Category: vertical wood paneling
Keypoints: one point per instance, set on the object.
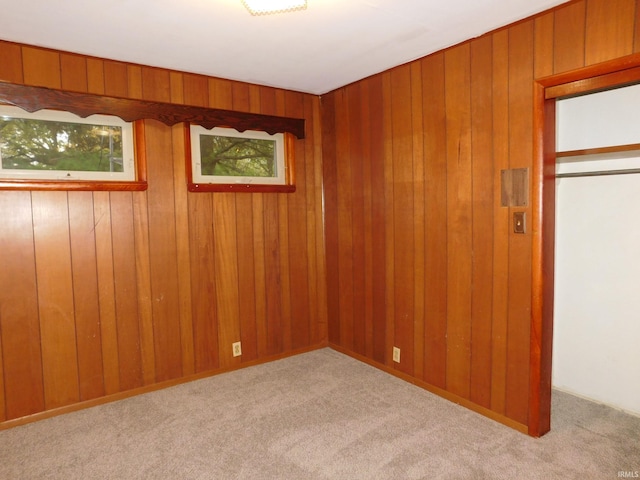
(355, 189)
(612, 39)
(202, 258)
(41, 67)
(272, 267)
(19, 323)
(520, 156)
(345, 223)
(285, 277)
(203, 282)
(225, 249)
(73, 70)
(11, 65)
(403, 228)
(226, 259)
(543, 46)
(283, 234)
(259, 305)
(321, 327)
(568, 40)
(143, 276)
(240, 97)
(125, 287)
(106, 291)
(482, 221)
(55, 298)
(245, 239)
(267, 252)
(364, 118)
(636, 35)
(500, 284)
(134, 81)
(315, 235)
(435, 350)
(182, 222)
(397, 172)
(104, 213)
(116, 81)
(51, 245)
(330, 177)
(418, 181)
(297, 248)
(260, 275)
(164, 275)
(246, 277)
(539, 419)
(85, 294)
(162, 229)
(470, 119)
(378, 205)
(459, 219)
(134, 288)
(95, 76)
(388, 230)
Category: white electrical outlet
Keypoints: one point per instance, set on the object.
(396, 354)
(237, 349)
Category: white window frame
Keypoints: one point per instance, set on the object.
(128, 174)
(198, 178)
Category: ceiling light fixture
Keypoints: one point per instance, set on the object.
(265, 7)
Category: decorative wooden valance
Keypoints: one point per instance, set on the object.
(33, 99)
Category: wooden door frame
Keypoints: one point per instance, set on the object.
(603, 76)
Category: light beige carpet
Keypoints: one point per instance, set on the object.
(320, 415)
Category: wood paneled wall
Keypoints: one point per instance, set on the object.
(107, 292)
(102, 293)
(420, 254)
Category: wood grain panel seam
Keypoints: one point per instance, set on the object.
(73, 298)
(419, 240)
(493, 219)
(445, 385)
(472, 223)
(508, 250)
(388, 193)
(238, 286)
(494, 335)
(585, 24)
(636, 29)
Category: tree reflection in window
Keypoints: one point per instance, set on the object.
(29, 144)
(237, 157)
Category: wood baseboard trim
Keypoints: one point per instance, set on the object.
(149, 388)
(436, 390)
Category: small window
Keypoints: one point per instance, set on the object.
(224, 159)
(61, 147)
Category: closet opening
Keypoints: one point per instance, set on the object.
(597, 261)
(547, 91)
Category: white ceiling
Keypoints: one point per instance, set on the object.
(330, 44)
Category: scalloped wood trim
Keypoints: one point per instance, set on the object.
(32, 99)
